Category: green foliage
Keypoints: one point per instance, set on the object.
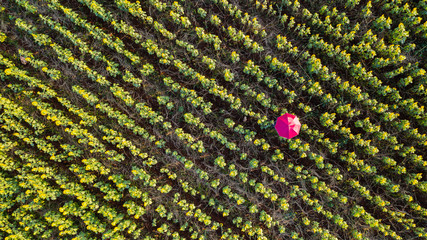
(121, 116)
(399, 34)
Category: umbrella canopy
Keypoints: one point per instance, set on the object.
(288, 125)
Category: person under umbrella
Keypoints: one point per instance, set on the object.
(288, 126)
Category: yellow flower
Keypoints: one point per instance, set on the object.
(44, 69)
(8, 71)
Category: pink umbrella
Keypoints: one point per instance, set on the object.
(288, 125)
